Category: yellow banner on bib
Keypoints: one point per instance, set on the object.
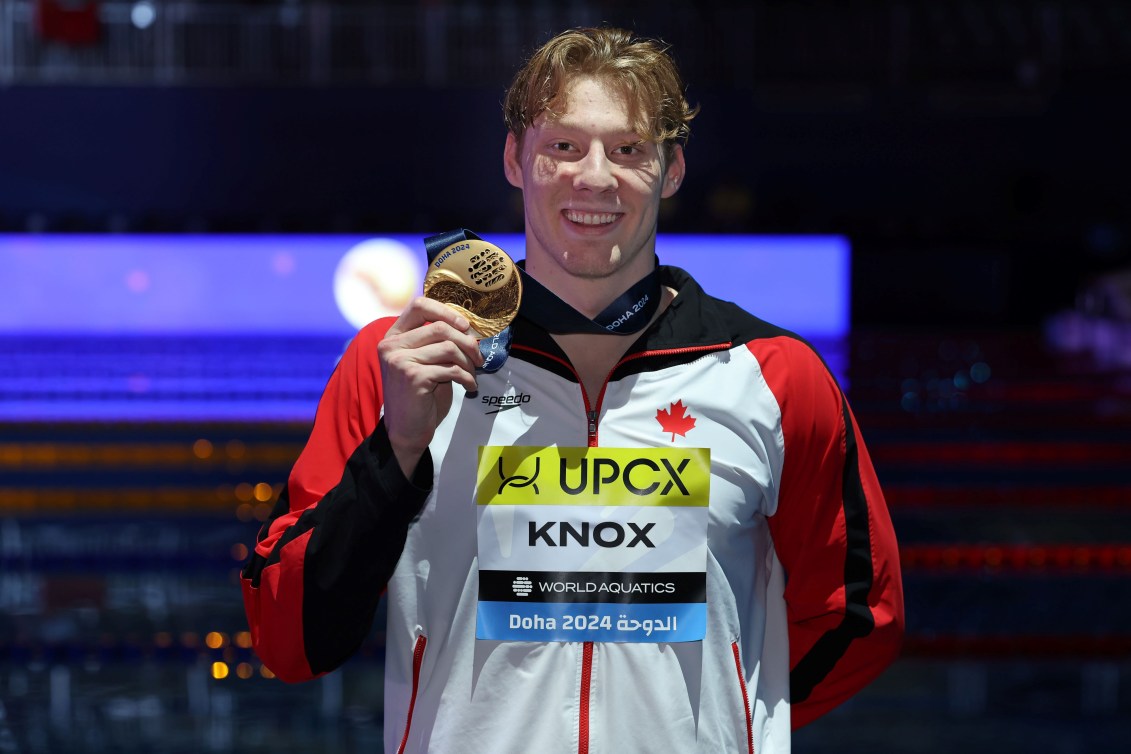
(518, 475)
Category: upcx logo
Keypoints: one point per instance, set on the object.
(593, 476)
(519, 480)
(640, 476)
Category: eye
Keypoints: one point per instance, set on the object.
(629, 150)
(561, 146)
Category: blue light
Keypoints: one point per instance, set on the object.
(285, 284)
(202, 327)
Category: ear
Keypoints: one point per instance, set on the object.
(512, 165)
(673, 175)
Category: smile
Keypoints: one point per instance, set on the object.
(590, 218)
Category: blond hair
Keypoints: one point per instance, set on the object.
(641, 68)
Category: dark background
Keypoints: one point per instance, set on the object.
(974, 153)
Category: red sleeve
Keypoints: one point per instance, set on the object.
(347, 412)
(323, 557)
(833, 535)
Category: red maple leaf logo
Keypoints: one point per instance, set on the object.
(677, 421)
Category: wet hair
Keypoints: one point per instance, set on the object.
(640, 68)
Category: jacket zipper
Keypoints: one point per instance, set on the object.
(583, 709)
(745, 697)
(591, 414)
(587, 647)
(417, 661)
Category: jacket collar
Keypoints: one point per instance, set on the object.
(686, 323)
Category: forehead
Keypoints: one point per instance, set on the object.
(590, 101)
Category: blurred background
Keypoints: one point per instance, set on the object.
(172, 174)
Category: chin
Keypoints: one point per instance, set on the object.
(588, 266)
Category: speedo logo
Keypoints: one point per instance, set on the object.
(504, 402)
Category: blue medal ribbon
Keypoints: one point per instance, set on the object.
(628, 314)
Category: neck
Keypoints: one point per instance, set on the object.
(588, 295)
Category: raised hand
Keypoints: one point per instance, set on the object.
(429, 347)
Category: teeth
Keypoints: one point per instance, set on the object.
(590, 218)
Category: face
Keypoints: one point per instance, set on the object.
(591, 190)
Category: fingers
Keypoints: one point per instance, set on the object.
(428, 365)
(425, 322)
(430, 344)
(428, 348)
(421, 310)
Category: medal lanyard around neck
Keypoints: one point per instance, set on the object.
(627, 315)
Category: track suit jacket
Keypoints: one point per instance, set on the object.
(803, 591)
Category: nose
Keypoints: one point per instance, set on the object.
(595, 172)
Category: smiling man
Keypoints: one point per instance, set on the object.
(654, 528)
(591, 189)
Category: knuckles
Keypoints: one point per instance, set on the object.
(440, 330)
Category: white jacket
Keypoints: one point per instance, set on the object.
(803, 591)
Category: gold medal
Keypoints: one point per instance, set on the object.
(479, 281)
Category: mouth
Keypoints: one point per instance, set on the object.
(590, 218)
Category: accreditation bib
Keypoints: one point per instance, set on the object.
(592, 544)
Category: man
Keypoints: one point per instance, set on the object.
(735, 576)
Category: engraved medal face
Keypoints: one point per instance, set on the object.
(479, 281)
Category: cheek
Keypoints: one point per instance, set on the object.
(651, 180)
(544, 170)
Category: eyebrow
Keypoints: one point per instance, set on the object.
(551, 127)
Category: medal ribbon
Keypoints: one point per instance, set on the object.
(496, 348)
(628, 314)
